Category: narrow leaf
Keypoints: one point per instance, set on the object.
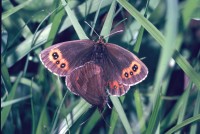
(6, 110)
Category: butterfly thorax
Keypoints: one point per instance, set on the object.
(98, 52)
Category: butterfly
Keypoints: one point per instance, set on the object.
(94, 70)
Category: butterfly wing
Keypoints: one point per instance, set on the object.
(63, 57)
(116, 88)
(126, 69)
(87, 81)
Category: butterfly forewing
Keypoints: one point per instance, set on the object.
(127, 69)
(130, 68)
(62, 58)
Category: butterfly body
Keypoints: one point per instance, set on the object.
(94, 69)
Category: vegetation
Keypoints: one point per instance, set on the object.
(164, 34)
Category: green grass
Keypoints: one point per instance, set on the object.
(35, 101)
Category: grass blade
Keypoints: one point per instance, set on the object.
(5, 75)
(14, 10)
(79, 30)
(73, 116)
(153, 118)
(114, 117)
(44, 120)
(108, 22)
(184, 106)
(194, 128)
(11, 102)
(6, 110)
(57, 114)
(59, 13)
(139, 110)
(184, 123)
(121, 114)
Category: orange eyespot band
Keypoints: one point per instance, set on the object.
(56, 57)
(132, 70)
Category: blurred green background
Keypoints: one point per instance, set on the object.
(165, 35)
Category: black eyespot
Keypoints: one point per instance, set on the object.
(131, 73)
(57, 62)
(55, 55)
(62, 65)
(134, 68)
(126, 74)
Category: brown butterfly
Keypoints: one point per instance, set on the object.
(94, 69)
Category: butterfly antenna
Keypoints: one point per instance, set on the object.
(92, 28)
(113, 33)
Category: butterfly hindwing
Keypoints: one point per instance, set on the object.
(117, 89)
(87, 81)
(62, 58)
